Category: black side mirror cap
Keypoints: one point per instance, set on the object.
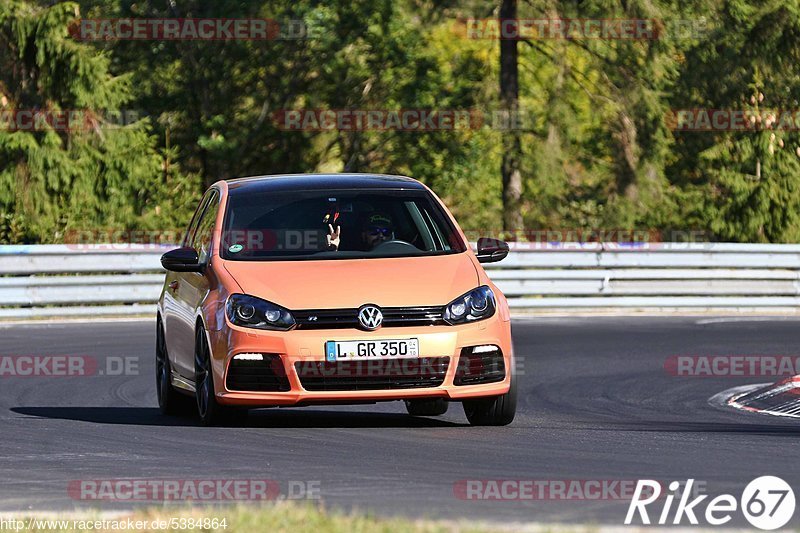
(181, 260)
(491, 250)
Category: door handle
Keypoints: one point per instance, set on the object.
(173, 285)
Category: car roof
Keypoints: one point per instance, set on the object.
(300, 182)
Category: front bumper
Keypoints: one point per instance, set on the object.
(308, 347)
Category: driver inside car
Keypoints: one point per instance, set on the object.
(376, 229)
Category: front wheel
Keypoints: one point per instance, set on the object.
(211, 413)
(493, 411)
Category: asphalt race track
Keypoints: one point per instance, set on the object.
(596, 403)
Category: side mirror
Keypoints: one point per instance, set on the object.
(491, 250)
(181, 260)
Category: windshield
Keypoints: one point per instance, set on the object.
(336, 225)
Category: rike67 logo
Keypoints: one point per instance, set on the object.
(767, 503)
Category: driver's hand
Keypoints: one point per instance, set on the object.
(333, 237)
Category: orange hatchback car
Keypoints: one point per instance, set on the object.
(323, 289)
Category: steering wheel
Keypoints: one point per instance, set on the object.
(395, 245)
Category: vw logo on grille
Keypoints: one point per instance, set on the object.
(370, 317)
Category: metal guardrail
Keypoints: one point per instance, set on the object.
(107, 280)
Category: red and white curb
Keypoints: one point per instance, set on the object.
(777, 399)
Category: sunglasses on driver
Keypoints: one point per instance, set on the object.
(376, 231)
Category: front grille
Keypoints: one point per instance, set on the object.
(376, 374)
(268, 375)
(476, 369)
(348, 318)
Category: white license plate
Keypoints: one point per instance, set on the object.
(378, 349)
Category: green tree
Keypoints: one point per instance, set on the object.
(756, 178)
(96, 173)
(742, 185)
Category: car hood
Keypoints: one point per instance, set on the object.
(351, 283)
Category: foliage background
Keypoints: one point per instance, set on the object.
(597, 151)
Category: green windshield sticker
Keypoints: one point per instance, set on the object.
(235, 248)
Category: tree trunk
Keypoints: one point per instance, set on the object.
(512, 145)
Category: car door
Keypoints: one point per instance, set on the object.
(196, 285)
(180, 295)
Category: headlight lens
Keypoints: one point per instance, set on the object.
(251, 312)
(475, 305)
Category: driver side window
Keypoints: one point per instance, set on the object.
(192, 229)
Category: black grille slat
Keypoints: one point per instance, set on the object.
(326, 318)
(348, 318)
(365, 375)
(412, 316)
(257, 376)
(477, 369)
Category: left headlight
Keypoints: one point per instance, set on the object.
(477, 304)
(251, 312)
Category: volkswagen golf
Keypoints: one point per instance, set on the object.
(300, 290)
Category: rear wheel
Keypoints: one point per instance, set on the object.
(493, 411)
(427, 407)
(170, 401)
(211, 413)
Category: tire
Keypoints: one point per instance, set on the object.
(211, 412)
(428, 407)
(493, 411)
(170, 401)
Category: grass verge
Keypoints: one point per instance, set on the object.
(280, 517)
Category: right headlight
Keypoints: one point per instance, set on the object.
(251, 312)
(477, 304)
